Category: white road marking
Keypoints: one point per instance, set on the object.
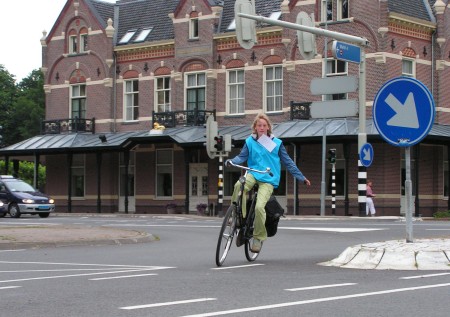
(93, 264)
(318, 300)
(343, 230)
(319, 287)
(71, 275)
(7, 287)
(189, 301)
(423, 276)
(236, 267)
(62, 270)
(12, 250)
(123, 276)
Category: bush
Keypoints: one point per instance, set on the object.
(442, 214)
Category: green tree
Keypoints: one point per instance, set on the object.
(26, 172)
(8, 95)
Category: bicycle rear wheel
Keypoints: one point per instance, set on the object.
(226, 236)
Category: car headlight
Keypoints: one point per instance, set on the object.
(28, 201)
(1, 203)
(51, 201)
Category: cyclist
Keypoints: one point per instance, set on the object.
(262, 150)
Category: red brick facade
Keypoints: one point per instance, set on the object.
(104, 68)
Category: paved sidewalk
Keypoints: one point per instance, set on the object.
(17, 237)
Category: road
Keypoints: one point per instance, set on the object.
(176, 276)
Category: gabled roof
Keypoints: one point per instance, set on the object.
(262, 7)
(101, 10)
(419, 9)
(140, 14)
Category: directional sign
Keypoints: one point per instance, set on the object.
(346, 52)
(403, 111)
(334, 109)
(333, 85)
(366, 155)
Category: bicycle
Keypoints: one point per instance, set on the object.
(235, 225)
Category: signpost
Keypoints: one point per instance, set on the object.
(403, 113)
(366, 155)
(346, 52)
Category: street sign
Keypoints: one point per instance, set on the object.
(346, 52)
(306, 41)
(333, 85)
(334, 109)
(366, 155)
(403, 111)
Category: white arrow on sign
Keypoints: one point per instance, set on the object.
(405, 114)
(367, 156)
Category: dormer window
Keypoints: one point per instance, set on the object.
(275, 15)
(127, 37)
(143, 35)
(193, 28)
(232, 25)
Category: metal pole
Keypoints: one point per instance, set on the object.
(220, 187)
(362, 136)
(408, 192)
(333, 189)
(324, 136)
(336, 35)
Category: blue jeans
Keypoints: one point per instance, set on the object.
(264, 192)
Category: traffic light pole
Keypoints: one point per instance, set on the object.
(220, 188)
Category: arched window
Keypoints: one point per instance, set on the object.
(83, 40)
(73, 42)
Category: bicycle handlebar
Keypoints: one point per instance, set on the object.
(249, 168)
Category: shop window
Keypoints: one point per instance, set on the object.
(78, 176)
(164, 173)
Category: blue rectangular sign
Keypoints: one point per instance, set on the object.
(346, 52)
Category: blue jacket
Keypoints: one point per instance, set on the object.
(259, 158)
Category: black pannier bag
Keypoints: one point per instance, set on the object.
(273, 213)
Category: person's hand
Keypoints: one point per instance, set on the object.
(227, 162)
(307, 182)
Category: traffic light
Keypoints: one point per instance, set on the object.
(219, 143)
(245, 28)
(332, 156)
(211, 132)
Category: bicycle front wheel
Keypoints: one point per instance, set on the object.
(226, 236)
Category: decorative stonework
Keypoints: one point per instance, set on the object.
(380, 58)
(440, 64)
(133, 55)
(410, 30)
(263, 39)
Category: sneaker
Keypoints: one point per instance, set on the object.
(256, 246)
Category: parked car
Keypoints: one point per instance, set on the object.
(3, 210)
(20, 197)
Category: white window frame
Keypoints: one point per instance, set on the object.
(340, 10)
(130, 108)
(83, 42)
(193, 28)
(197, 86)
(166, 166)
(73, 41)
(165, 91)
(412, 62)
(233, 88)
(324, 10)
(127, 37)
(268, 94)
(76, 94)
(333, 74)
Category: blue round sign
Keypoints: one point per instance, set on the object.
(403, 111)
(366, 154)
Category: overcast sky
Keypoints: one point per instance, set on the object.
(21, 25)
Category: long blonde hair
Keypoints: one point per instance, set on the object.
(262, 116)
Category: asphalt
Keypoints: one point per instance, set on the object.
(422, 254)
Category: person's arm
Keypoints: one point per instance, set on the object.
(241, 157)
(291, 167)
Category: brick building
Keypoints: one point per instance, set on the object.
(114, 70)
